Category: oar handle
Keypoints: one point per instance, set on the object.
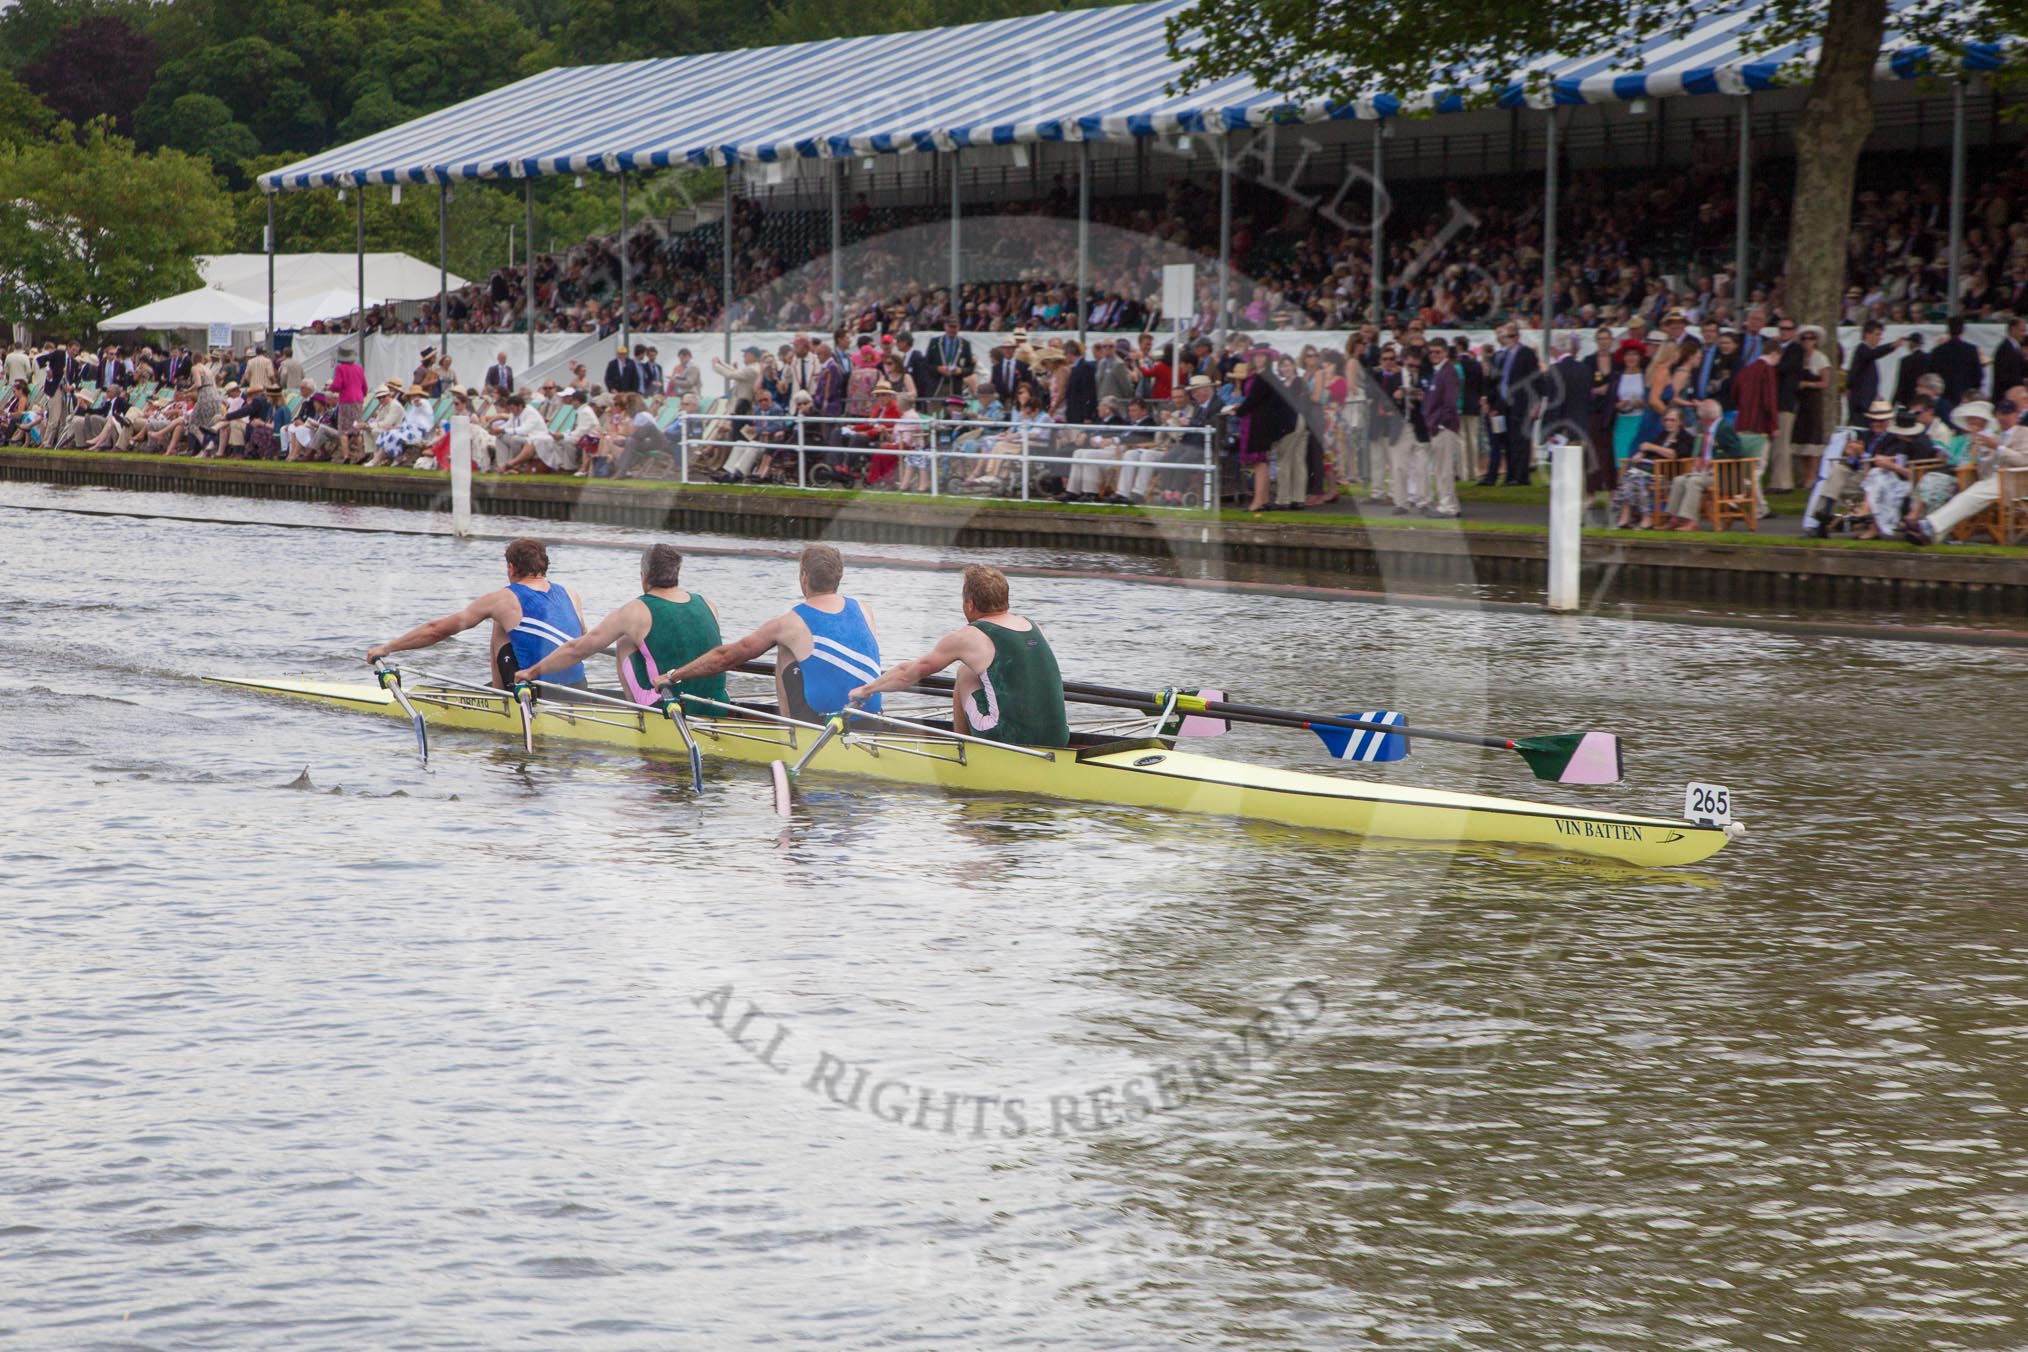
(1256, 713)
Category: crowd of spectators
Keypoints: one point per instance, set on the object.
(1464, 255)
(1660, 410)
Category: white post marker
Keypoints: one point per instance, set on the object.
(1566, 524)
(1179, 291)
(461, 476)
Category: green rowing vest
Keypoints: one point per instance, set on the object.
(679, 634)
(1020, 696)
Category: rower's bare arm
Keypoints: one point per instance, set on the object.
(726, 656)
(432, 632)
(960, 645)
(614, 627)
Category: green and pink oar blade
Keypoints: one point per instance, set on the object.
(1573, 757)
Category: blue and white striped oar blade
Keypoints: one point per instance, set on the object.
(1361, 744)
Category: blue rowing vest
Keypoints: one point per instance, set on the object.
(843, 654)
(548, 621)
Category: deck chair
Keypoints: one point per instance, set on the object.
(1732, 497)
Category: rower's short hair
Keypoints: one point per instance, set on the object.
(823, 565)
(986, 588)
(528, 558)
(661, 566)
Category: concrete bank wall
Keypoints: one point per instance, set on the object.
(1698, 569)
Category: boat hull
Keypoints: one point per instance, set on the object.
(1142, 774)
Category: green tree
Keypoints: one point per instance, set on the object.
(89, 227)
(23, 117)
(1351, 48)
(203, 126)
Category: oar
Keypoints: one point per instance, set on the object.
(672, 706)
(390, 681)
(785, 775)
(667, 705)
(1563, 758)
(524, 699)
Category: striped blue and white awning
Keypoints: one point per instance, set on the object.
(1089, 74)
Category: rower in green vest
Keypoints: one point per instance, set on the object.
(663, 628)
(1008, 687)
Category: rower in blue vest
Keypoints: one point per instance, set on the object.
(532, 617)
(824, 647)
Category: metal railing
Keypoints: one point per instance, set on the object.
(1086, 453)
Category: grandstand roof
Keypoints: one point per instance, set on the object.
(1087, 74)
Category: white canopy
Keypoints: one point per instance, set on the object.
(308, 287)
(193, 310)
(389, 276)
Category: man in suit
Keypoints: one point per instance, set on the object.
(1780, 461)
(834, 373)
(952, 357)
(920, 368)
(500, 376)
(1957, 361)
(1472, 395)
(801, 368)
(685, 377)
(1914, 366)
(1080, 386)
(651, 373)
(1509, 407)
(1713, 439)
(1009, 373)
(2010, 358)
(1119, 375)
(1862, 377)
(1442, 409)
(623, 373)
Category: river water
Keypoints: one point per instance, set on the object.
(303, 1045)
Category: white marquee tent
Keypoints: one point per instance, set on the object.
(308, 287)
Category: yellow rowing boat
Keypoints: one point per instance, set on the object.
(1143, 773)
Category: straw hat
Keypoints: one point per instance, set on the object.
(1809, 330)
(414, 390)
(883, 388)
(1879, 409)
(1201, 383)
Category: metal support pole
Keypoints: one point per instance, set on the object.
(725, 281)
(359, 255)
(837, 244)
(528, 278)
(626, 271)
(1083, 239)
(1224, 232)
(1566, 469)
(271, 274)
(956, 306)
(1549, 240)
(443, 264)
(1742, 256)
(1379, 306)
(1957, 304)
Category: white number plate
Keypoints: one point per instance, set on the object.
(1708, 803)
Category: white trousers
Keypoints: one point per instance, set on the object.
(1138, 469)
(1090, 470)
(1965, 506)
(1408, 465)
(1446, 455)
